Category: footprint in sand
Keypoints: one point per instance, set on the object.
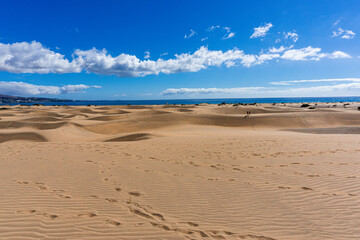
(118, 189)
(113, 222)
(58, 191)
(111, 200)
(90, 214)
(135, 194)
(41, 187)
(141, 214)
(191, 224)
(26, 211)
(159, 216)
(64, 196)
(160, 225)
(51, 216)
(20, 182)
(307, 188)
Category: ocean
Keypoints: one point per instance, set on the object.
(198, 101)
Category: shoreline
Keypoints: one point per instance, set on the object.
(196, 101)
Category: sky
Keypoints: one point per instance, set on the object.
(128, 50)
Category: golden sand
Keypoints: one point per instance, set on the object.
(180, 172)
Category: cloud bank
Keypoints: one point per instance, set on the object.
(21, 89)
(317, 80)
(192, 91)
(35, 58)
(326, 90)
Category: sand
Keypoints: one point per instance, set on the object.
(180, 172)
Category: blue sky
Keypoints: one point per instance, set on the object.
(179, 49)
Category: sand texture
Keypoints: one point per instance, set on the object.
(180, 172)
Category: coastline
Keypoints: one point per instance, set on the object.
(195, 101)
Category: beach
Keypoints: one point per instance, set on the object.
(199, 171)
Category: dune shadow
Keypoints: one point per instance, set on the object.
(130, 137)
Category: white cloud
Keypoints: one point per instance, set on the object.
(292, 35)
(327, 88)
(310, 53)
(194, 91)
(125, 65)
(230, 35)
(317, 80)
(338, 54)
(278, 50)
(212, 28)
(345, 34)
(147, 54)
(336, 22)
(191, 34)
(261, 31)
(347, 89)
(21, 88)
(164, 54)
(34, 58)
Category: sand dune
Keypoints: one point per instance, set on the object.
(180, 172)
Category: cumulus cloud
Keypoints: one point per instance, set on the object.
(345, 34)
(125, 65)
(317, 80)
(292, 35)
(205, 38)
(147, 54)
(21, 88)
(191, 34)
(34, 58)
(310, 53)
(261, 31)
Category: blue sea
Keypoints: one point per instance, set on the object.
(198, 101)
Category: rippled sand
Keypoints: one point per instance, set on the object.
(180, 172)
